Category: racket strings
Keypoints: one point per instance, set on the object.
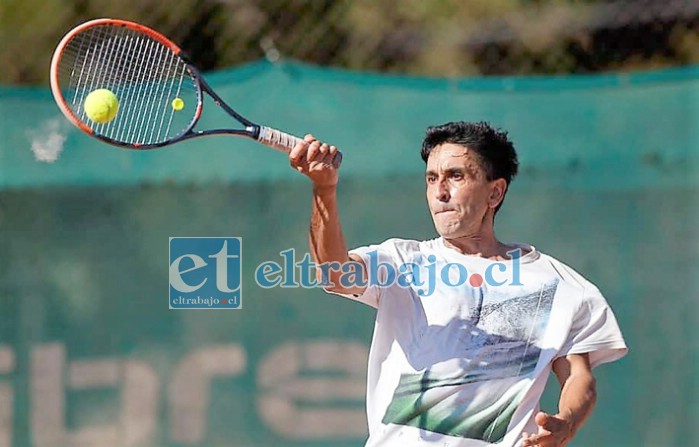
(144, 74)
(137, 81)
(102, 57)
(145, 104)
(126, 46)
(162, 94)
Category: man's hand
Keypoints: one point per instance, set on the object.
(318, 161)
(554, 431)
(577, 399)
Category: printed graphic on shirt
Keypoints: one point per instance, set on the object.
(474, 393)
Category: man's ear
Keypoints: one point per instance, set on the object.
(497, 192)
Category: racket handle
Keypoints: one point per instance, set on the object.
(277, 139)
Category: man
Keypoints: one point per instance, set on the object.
(468, 328)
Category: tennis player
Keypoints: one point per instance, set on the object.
(468, 328)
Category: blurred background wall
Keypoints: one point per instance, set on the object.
(600, 98)
(443, 38)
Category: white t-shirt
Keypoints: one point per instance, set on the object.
(465, 365)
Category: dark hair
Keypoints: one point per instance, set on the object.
(495, 151)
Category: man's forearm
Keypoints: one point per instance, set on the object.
(326, 239)
(575, 404)
(578, 398)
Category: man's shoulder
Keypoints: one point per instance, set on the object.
(564, 271)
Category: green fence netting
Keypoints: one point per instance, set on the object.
(90, 354)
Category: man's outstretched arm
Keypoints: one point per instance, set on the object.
(578, 397)
(321, 163)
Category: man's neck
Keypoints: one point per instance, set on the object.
(486, 246)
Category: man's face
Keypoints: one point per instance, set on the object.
(458, 193)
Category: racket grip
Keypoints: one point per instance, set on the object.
(277, 139)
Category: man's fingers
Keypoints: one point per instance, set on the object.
(298, 153)
(544, 439)
(525, 441)
(546, 421)
(327, 157)
(335, 157)
(298, 156)
(314, 151)
(549, 422)
(550, 432)
(317, 160)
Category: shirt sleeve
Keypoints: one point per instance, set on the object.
(376, 259)
(595, 331)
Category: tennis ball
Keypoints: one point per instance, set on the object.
(101, 105)
(177, 104)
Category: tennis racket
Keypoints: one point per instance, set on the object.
(160, 95)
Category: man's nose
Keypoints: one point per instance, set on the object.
(442, 191)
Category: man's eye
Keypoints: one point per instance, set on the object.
(431, 179)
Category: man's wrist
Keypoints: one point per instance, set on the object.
(320, 190)
(570, 421)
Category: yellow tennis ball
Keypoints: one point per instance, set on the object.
(177, 104)
(101, 105)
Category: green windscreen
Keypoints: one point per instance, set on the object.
(90, 354)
